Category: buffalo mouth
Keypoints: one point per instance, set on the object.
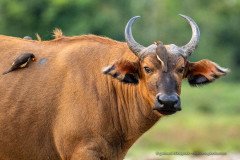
(166, 112)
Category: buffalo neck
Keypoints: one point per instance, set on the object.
(134, 110)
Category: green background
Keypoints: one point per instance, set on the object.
(210, 117)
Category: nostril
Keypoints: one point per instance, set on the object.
(177, 106)
(159, 100)
(169, 101)
(159, 104)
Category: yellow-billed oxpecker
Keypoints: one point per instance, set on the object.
(21, 61)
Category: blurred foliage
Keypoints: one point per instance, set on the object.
(218, 20)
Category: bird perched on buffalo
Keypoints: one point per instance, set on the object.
(21, 62)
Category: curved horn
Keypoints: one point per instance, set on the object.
(193, 43)
(132, 44)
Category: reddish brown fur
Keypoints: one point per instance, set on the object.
(66, 108)
(206, 68)
(124, 66)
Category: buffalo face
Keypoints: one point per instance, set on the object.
(160, 69)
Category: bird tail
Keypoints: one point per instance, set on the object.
(7, 71)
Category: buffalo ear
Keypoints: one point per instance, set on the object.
(124, 71)
(203, 72)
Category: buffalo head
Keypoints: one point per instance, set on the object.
(161, 68)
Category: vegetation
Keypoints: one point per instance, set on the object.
(209, 120)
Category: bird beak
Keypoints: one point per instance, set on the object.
(34, 59)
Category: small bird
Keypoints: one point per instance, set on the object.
(21, 62)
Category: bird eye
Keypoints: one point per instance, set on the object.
(181, 70)
(147, 70)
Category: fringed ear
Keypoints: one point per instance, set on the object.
(203, 72)
(124, 71)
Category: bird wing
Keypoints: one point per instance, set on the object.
(23, 65)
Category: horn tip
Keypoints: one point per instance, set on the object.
(187, 18)
(184, 16)
(135, 17)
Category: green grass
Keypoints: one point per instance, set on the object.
(220, 98)
(209, 121)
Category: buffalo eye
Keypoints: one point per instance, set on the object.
(147, 70)
(181, 70)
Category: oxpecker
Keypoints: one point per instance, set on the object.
(21, 62)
